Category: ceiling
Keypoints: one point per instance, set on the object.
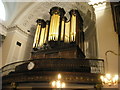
(24, 15)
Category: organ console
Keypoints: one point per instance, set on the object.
(60, 29)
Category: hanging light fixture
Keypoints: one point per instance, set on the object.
(58, 82)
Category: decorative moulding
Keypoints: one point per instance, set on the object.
(41, 10)
(3, 29)
(16, 27)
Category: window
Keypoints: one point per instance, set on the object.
(18, 43)
(2, 10)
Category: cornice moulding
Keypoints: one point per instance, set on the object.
(16, 27)
(3, 26)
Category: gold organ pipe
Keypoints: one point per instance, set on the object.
(46, 33)
(73, 28)
(67, 32)
(62, 30)
(54, 27)
(51, 29)
(41, 42)
(36, 38)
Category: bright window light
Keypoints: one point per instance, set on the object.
(2, 10)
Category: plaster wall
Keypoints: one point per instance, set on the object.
(3, 31)
(107, 39)
(13, 52)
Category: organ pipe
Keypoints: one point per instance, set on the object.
(63, 28)
(46, 31)
(59, 29)
(67, 32)
(54, 27)
(37, 33)
(37, 39)
(56, 14)
(73, 28)
(42, 36)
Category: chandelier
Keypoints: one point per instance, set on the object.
(109, 80)
(58, 82)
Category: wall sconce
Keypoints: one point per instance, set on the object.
(109, 79)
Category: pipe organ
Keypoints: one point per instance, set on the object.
(58, 48)
(38, 33)
(59, 29)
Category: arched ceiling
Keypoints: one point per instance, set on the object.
(24, 15)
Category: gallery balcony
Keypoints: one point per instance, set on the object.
(40, 72)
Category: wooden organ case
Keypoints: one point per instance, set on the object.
(58, 47)
(59, 37)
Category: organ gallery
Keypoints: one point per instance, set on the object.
(58, 35)
(58, 48)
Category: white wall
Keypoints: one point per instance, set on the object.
(13, 52)
(3, 31)
(107, 38)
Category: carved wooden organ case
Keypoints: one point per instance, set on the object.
(59, 37)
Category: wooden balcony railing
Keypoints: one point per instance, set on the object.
(86, 71)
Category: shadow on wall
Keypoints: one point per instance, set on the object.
(29, 43)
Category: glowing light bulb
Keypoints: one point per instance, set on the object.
(53, 84)
(105, 80)
(59, 76)
(109, 79)
(102, 78)
(58, 84)
(116, 77)
(63, 85)
(108, 76)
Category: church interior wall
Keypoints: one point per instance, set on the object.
(107, 39)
